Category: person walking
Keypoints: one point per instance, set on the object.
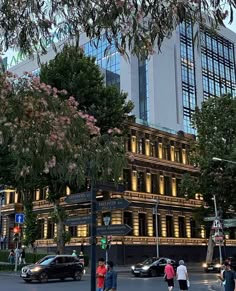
(74, 253)
(182, 276)
(229, 277)
(110, 283)
(100, 274)
(22, 257)
(81, 258)
(11, 257)
(169, 275)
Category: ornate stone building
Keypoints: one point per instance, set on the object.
(157, 161)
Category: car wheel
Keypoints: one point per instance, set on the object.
(77, 276)
(43, 277)
(153, 273)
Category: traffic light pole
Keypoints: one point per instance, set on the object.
(16, 254)
(93, 239)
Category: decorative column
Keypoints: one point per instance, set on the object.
(172, 153)
(133, 143)
(150, 222)
(184, 156)
(163, 225)
(176, 225)
(173, 187)
(203, 232)
(37, 194)
(188, 226)
(55, 229)
(162, 185)
(148, 182)
(45, 230)
(135, 223)
(147, 147)
(7, 194)
(16, 194)
(134, 180)
(117, 217)
(160, 151)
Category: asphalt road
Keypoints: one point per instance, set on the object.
(199, 282)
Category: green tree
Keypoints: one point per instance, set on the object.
(82, 78)
(215, 123)
(135, 25)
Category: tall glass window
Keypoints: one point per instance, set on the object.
(187, 74)
(109, 61)
(143, 90)
(218, 65)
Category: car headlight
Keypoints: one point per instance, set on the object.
(145, 268)
(217, 265)
(36, 269)
(133, 267)
(204, 265)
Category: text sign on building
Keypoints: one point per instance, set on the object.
(115, 229)
(112, 204)
(79, 197)
(19, 218)
(78, 220)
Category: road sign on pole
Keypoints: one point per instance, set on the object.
(229, 222)
(19, 218)
(115, 229)
(79, 197)
(78, 220)
(210, 218)
(112, 204)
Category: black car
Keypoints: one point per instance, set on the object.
(213, 266)
(151, 267)
(53, 267)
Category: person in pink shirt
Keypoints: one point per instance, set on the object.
(169, 275)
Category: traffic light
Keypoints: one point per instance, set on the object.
(16, 234)
(109, 240)
(103, 243)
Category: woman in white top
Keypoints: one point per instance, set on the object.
(182, 276)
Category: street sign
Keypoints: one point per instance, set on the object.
(230, 220)
(79, 197)
(19, 218)
(78, 220)
(112, 204)
(110, 186)
(210, 218)
(115, 229)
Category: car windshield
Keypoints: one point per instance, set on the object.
(149, 261)
(45, 261)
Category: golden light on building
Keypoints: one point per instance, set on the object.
(45, 229)
(116, 217)
(172, 153)
(163, 226)
(148, 182)
(133, 144)
(203, 232)
(147, 147)
(176, 226)
(188, 227)
(174, 192)
(134, 180)
(68, 190)
(184, 156)
(160, 150)
(135, 223)
(37, 194)
(161, 184)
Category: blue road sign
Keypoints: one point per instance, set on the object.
(19, 218)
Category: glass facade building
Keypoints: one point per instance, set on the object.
(218, 65)
(187, 74)
(107, 59)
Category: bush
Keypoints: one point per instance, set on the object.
(29, 257)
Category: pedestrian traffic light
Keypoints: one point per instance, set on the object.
(103, 243)
(109, 240)
(16, 231)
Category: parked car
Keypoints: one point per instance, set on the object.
(53, 267)
(213, 266)
(151, 267)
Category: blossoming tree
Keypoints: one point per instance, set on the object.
(138, 25)
(52, 141)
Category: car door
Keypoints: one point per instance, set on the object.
(59, 268)
(161, 264)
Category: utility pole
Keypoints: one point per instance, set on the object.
(106, 221)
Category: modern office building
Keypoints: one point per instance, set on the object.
(165, 90)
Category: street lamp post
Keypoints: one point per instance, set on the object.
(216, 216)
(223, 160)
(155, 209)
(106, 221)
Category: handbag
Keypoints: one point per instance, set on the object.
(188, 283)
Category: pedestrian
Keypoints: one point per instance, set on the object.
(74, 253)
(100, 274)
(169, 275)
(11, 257)
(182, 276)
(229, 277)
(22, 256)
(81, 257)
(17, 254)
(110, 283)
